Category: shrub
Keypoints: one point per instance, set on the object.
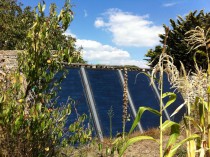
(32, 123)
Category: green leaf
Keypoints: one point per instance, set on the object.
(175, 132)
(193, 122)
(200, 100)
(139, 114)
(201, 114)
(39, 107)
(172, 98)
(2, 98)
(197, 100)
(39, 7)
(60, 134)
(116, 141)
(44, 6)
(43, 125)
(133, 140)
(18, 122)
(99, 146)
(175, 147)
(208, 90)
(168, 124)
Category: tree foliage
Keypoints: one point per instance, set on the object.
(177, 46)
(32, 123)
(15, 23)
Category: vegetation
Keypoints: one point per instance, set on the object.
(16, 22)
(122, 143)
(32, 123)
(177, 46)
(195, 88)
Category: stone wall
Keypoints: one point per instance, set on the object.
(8, 59)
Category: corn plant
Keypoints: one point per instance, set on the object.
(196, 92)
(165, 64)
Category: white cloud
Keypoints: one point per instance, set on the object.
(69, 33)
(96, 53)
(99, 23)
(130, 30)
(141, 64)
(169, 4)
(94, 50)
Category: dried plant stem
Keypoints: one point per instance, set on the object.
(161, 113)
(208, 93)
(161, 92)
(190, 144)
(125, 101)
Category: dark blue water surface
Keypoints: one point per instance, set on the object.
(107, 91)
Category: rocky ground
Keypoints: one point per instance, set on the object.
(145, 148)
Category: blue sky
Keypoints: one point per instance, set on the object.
(120, 32)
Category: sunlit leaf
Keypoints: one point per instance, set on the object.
(175, 147)
(178, 109)
(168, 124)
(134, 140)
(39, 107)
(43, 6)
(172, 98)
(201, 114)
(175, 132)
(139, 114)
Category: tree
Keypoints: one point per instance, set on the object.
(31, 121)
(177, 46)
(15, 23)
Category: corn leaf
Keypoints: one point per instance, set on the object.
(175, 132)
(175, 147)
(168, 124)
(178, 109)
(133, 140)
(201, 114)
(44, 6)
(193, 122)
(139, 114)
(172, 98)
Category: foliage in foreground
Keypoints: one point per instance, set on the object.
(31, 121)
(196, 94)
